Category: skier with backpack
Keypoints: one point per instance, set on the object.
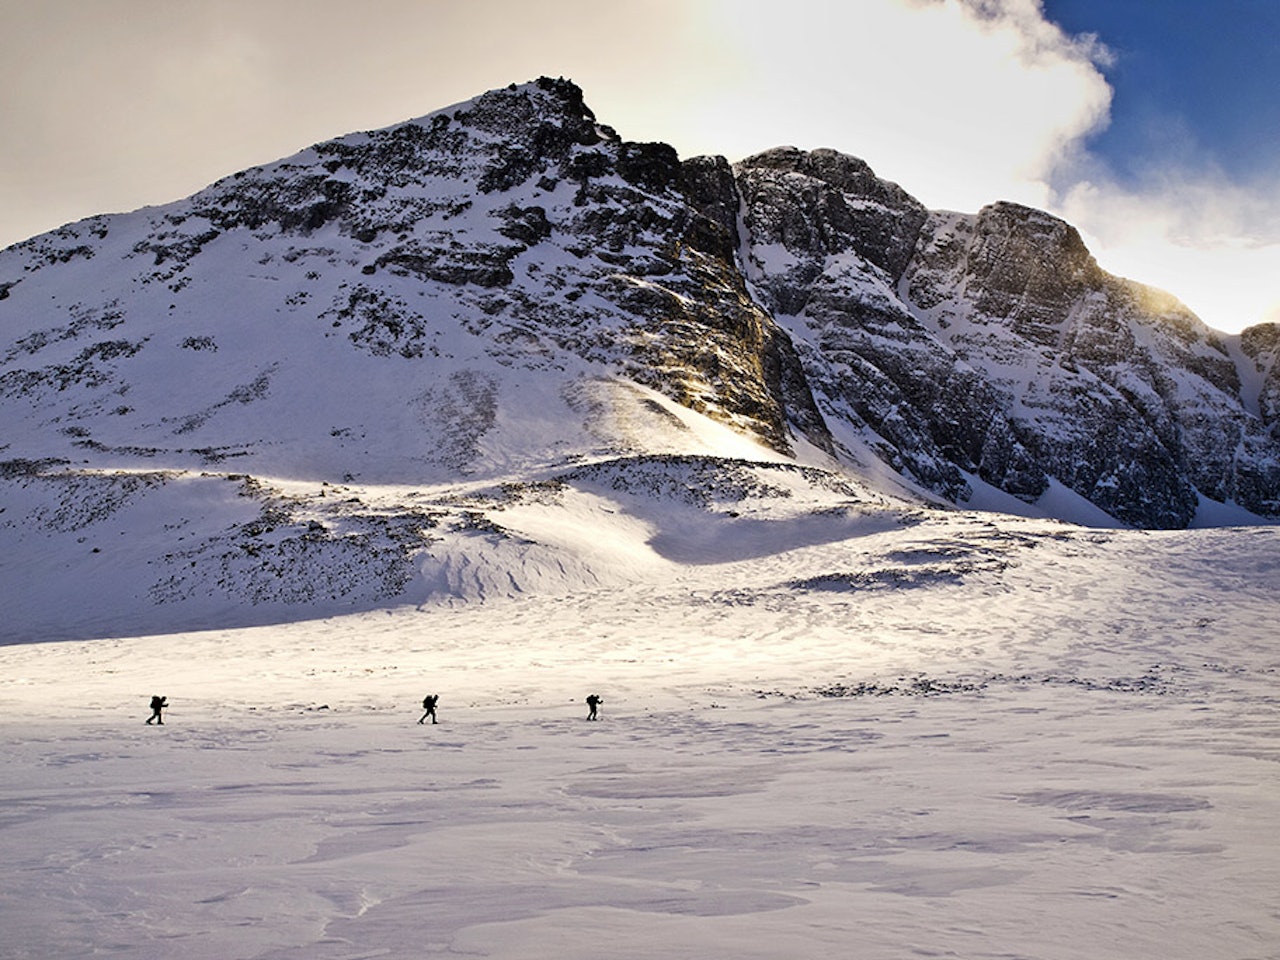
(157, 704)
(429, 705)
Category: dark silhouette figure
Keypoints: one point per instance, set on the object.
(429, 705)
(592, 703)
(157, 704)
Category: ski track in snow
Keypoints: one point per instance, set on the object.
(1072, 753)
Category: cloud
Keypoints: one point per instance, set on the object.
(1212, 242)
(1182, 224)
(109, 106)
(962, 102)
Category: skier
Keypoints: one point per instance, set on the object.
(157, 704)
(592, 703)
(429, 705)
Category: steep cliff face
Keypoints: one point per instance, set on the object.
(1261, 345)
(475, 276)
(1128, 399)
(827, 245)
(993, 347)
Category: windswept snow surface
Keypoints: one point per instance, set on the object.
(935, 734)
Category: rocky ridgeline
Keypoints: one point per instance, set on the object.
(994, 346)
(794, 296)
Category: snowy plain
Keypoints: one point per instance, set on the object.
(1014, 738)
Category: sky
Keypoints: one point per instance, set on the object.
(1152, 127)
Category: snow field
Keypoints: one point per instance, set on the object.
(1069, 755)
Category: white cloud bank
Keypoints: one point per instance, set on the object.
(1214, 243)
(959, 108)
(113, 105)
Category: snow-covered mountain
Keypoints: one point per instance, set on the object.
(334, 380)
(724, 446)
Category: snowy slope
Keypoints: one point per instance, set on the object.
(890, 735)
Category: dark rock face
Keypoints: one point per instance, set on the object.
(794, 296)
(1261, 344)
(1025, 266)
(824, 202)
(1129, 400)
(828, 245)
(993, 346)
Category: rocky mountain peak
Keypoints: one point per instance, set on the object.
(822, 203)
(460, 258)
